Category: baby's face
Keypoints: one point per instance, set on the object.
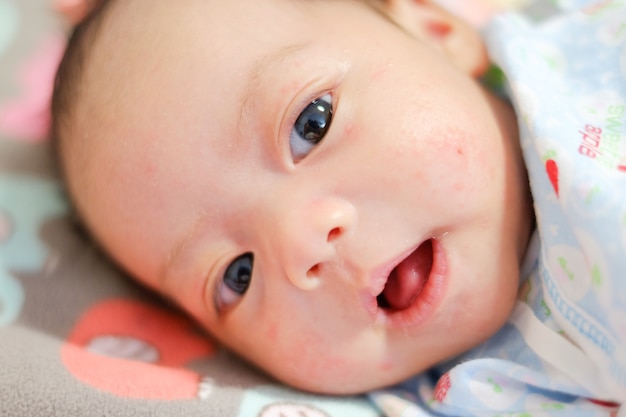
(329, 196)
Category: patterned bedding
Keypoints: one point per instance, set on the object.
(77, 337)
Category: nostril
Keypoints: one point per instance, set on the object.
(313, 272)
(334, 234)
(312, 278)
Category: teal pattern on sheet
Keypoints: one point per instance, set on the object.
(25, 205)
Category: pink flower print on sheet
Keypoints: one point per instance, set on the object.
(136, 350)
(27, 116)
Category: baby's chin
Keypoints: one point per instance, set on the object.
(349, 382)
(330, 386)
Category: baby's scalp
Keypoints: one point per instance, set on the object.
(69, 78)
(175, 178)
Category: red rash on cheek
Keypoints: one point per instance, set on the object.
(272, 332)
(149, 169)
(379, 72)
(350, 132)
(386, 366)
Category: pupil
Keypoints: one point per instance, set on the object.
(238, 274)
(314, 121)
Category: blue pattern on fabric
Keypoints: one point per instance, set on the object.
(565, 342)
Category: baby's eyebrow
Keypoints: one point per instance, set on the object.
(259, 70)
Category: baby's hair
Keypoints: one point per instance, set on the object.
(68, 83)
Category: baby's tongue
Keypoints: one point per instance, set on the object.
(408, 278)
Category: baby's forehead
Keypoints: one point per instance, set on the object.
(140, 40)
(152, 51)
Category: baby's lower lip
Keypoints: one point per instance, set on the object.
(424, 303)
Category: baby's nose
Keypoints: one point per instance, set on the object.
(309, 235)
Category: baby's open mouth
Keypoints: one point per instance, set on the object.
(407, 280)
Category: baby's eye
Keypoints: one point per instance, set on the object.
(310, 127)
(235, 281)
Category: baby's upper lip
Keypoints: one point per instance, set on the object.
(379, 276)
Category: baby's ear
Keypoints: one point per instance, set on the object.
(436, 26)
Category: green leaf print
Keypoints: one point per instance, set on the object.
(563, 263)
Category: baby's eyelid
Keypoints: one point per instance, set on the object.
(214, 282)
(217, 307)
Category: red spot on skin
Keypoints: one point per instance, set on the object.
(438, 30)
(442, 387)
(272, 332)
(150, 168)
(553, 173)
(386, 366)
(380, 72)
(351, 133)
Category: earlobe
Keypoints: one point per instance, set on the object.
(434, 25)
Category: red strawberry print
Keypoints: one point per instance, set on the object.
(442, 387)
(553, 173)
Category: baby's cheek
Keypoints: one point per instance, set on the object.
(271, 333)
(466, 162)
(379, 72)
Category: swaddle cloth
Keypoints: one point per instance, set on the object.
(563, 350)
